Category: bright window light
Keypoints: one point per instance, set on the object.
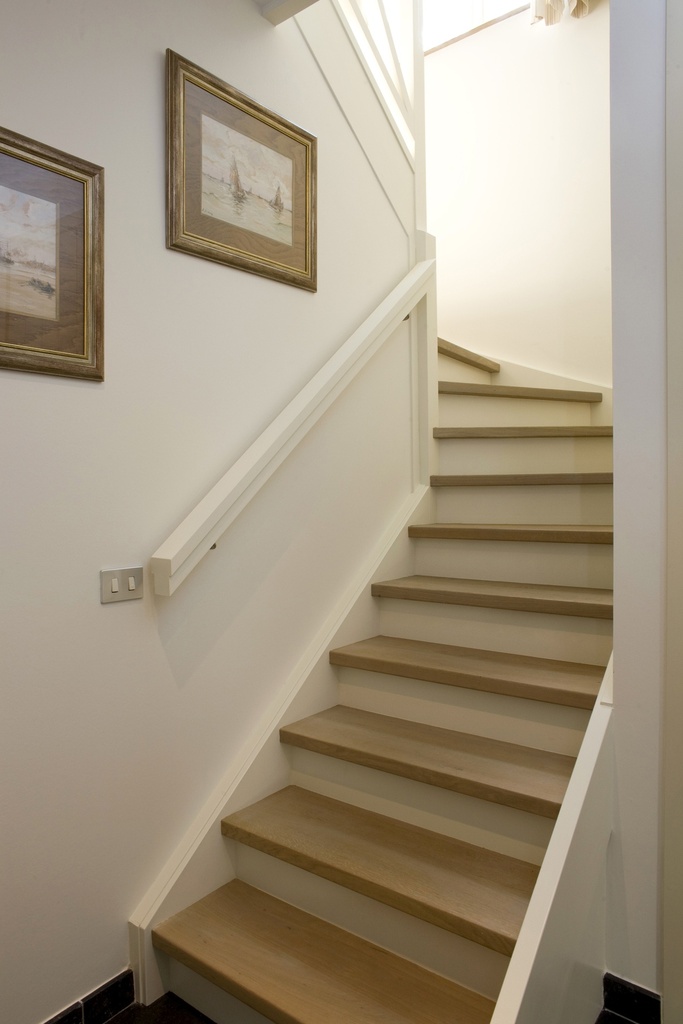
(444, 20)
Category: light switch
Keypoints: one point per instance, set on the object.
(121, 584)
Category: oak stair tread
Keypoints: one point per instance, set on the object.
(514, 675)
(297, 969)
(586, 602)
(464, 355)
(451, 387)
(477, 893)
(522, 777)
(544, 533)
(541, 431)
(518, 479)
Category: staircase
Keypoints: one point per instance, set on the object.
(388, 882)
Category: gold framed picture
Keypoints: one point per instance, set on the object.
(241, 180)
(51, 260)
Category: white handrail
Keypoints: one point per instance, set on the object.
(172, 562)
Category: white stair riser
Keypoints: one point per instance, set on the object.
(564, 637)
(478, 411)
(525, 455)
(543, 503)
(481, 822)
(210, 1000)
(453, 369)
(466, 962)
(532, 723)
(571, 565)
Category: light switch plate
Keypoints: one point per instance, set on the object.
(120, 584)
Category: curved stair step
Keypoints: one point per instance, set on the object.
(544, 534)
(464, 355)
(503, 773)
(519, 479)
(586, 602)
(512, 675)
(285, 964)
(476, 893)
(541, 431)
(449, 387)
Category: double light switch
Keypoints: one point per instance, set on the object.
(120, 584)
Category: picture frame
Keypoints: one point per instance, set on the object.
(241, 180)
(51, 260)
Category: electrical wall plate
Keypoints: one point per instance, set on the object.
(121, 584)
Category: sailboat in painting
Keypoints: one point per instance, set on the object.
(5, 253)
(238, 191)
(245, 183)
(276, 202)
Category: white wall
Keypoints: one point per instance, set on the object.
(118, 720)
(638, 216)
(518, 192)
(672, 761)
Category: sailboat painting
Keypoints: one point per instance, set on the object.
(245, 183)
(28, 254)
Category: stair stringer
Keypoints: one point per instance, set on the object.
(202, 861)
(556, 970)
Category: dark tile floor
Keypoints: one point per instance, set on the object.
(172, 1010)
(167, 1010)
(607, 1017)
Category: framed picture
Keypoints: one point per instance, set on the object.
(241, 179)
(51, 264)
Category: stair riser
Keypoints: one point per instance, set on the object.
(575, 503)
(457, 958)
(210, 1000)
(453, 369)
(573, 565)
(475, 411)
(566, 638)
(497, 716)
(494, 826)
(525, 455)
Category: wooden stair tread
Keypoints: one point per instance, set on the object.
(449, 387)
(587, 602)
(545, 533)
(519, 479)
(484, 432)
(293, 967)
(464, 355)
(476, 893)
(514, 675)
(504, 773)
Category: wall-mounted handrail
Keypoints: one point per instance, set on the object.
(172, 562)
